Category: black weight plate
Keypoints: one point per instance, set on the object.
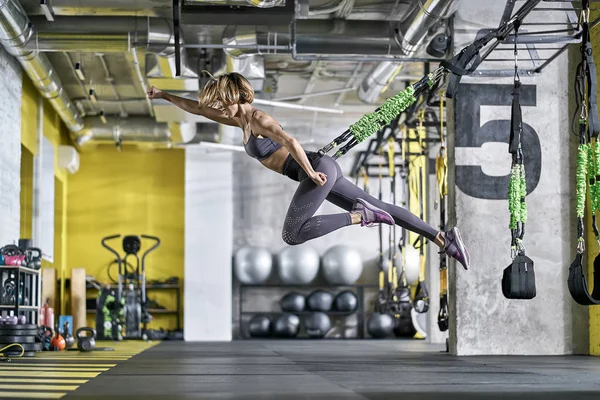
(16, 339)
(17, 353)
(7, 327)
(23, 332)
(26, 346)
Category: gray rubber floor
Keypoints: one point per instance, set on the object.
(339, 370)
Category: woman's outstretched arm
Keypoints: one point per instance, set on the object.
(191, 106)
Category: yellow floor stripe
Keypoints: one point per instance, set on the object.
(28, 368)
(35, 380)
(43, 364)
(38, 387)
(17, 395)
(84, 358)
(50, 374)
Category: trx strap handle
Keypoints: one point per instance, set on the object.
(518, 279)
(577, 282)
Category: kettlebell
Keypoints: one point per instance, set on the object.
(58, 342)
(34, 258)
(86, 343)
(46, 337)
(69, 339)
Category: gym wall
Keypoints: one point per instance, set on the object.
(485, 322)
(594, 312)
(10, 151)
(128, 192)
(35, 110)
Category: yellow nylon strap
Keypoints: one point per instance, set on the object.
(422, 265)
(391, 153)
(404, 137)
(444, 281)
(441, 161)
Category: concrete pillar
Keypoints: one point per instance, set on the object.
(208, 246)
(483, 320)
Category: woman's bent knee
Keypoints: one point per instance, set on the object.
(291, 238)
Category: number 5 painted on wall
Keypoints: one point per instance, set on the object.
(470, 134)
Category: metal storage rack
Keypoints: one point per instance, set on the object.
(20, 292)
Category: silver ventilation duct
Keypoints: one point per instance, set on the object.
(377, 80)
(99, 8)
(318, 36)
(426, 13)
(412, 32)
(132, 130)
(251, 3)
(15, 32)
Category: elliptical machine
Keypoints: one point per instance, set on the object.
(125, 307)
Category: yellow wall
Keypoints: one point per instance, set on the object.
(29, 115)
(129, 192)
(593, 310)
(26, 192)
(55, 131)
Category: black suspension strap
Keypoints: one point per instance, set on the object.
(518, 279)
(421, 302)
(441, 169)
(588, 158)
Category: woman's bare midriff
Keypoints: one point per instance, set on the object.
(276, 160)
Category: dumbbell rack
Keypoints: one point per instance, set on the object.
(30, 297)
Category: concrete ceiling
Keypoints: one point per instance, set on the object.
(119, 91)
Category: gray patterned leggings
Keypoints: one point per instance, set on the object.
(300, 223)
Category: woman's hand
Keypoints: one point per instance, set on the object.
(154, 93)
(319, 178)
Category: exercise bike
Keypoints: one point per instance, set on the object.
(126, 306)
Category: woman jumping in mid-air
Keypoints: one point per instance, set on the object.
(228, 100)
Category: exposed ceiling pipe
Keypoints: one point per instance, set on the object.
(426, 13)
(252, 3)
(99, 8)
(132, 130)
(15, 32)
(377, 80)
(372, 38)
(411, 35)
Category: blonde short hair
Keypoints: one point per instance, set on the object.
(226, 90)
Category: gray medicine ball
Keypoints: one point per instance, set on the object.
(252, 265)
(298, 265)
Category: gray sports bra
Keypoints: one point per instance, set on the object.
(260, 148)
